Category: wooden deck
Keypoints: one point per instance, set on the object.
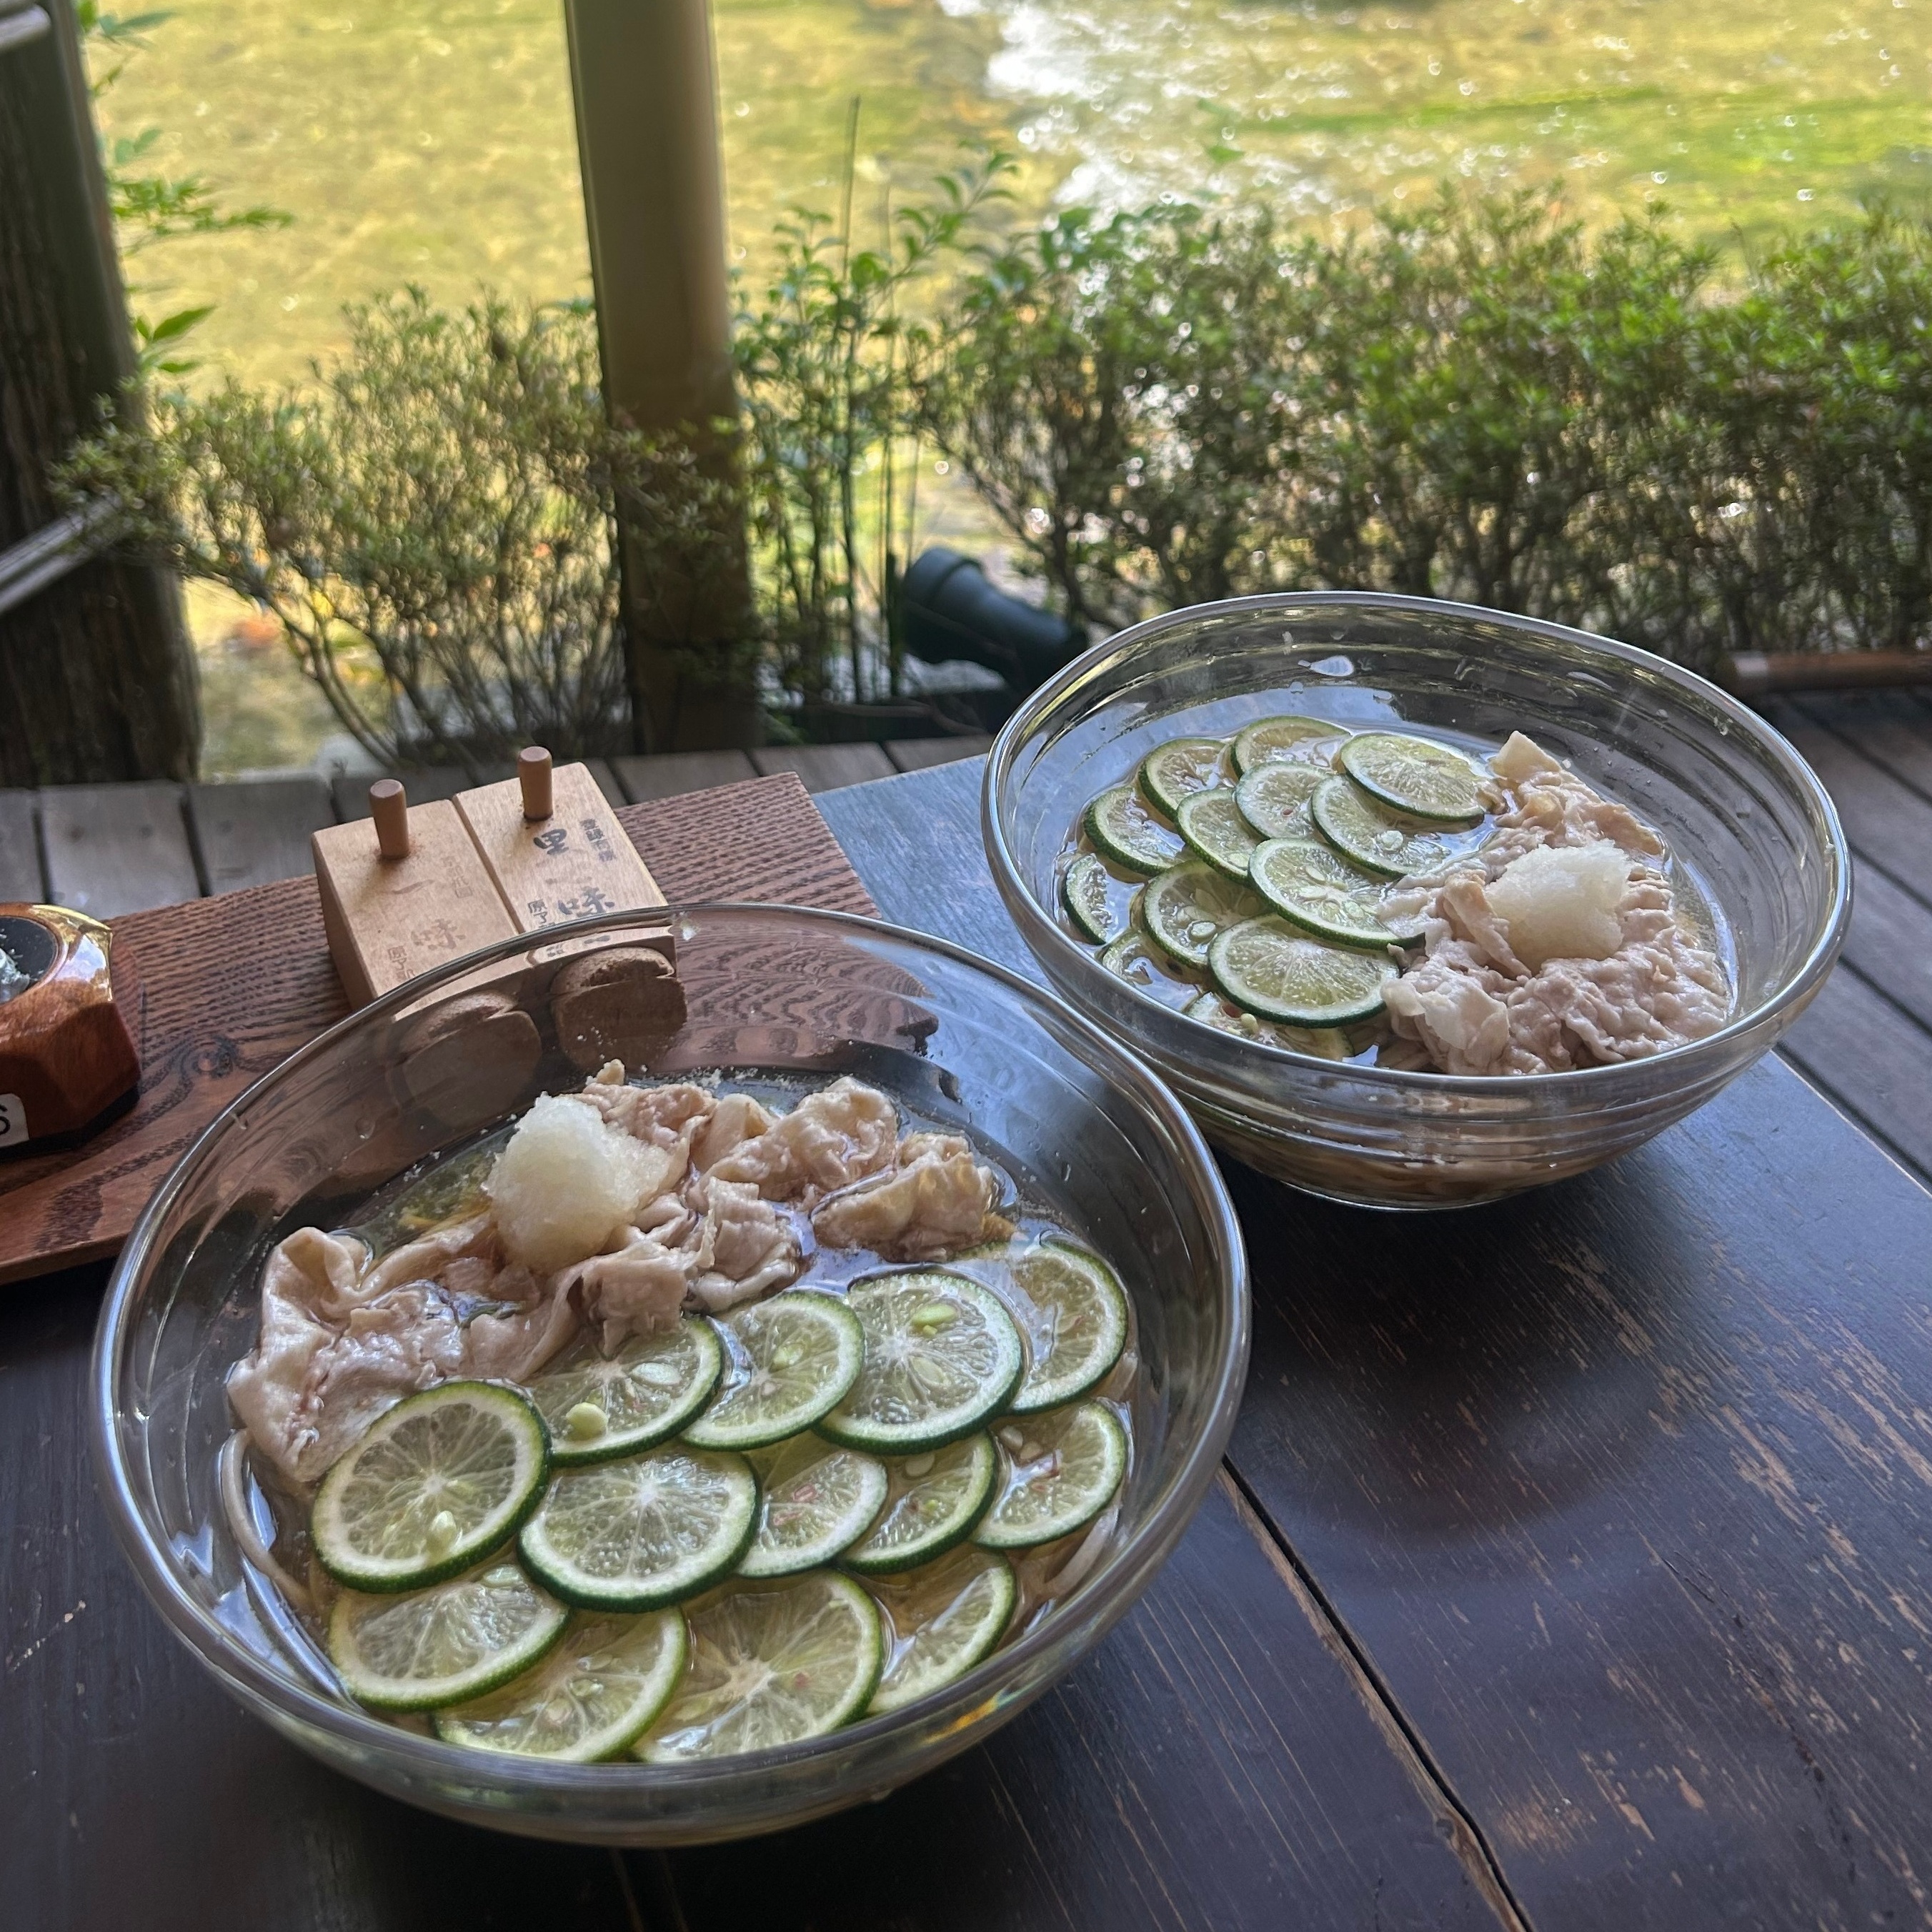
(108, 850)
(1866, 1042)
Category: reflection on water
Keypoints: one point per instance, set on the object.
(1741, 116)
(432, 140)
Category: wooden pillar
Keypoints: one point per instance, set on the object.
(97, 678)
(654, 196)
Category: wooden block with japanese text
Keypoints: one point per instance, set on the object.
(573, 863)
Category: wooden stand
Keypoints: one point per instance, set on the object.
(414, 886)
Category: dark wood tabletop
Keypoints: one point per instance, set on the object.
(1570, 1568)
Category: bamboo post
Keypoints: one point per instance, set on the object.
(654, 198)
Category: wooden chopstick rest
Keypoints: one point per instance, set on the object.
(618, 1003)
(469, 1059)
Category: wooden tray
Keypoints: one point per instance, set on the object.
(218, 991)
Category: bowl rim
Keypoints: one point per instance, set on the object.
(1798, 985)
(1133, 1564)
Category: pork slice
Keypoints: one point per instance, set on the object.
(832, 1138)
(935, 1201)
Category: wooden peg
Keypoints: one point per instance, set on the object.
(389, 804)
(533, 775)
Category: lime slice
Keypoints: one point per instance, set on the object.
(1274, 799)
(1310, 741)
(1058, 1472)
(943, 1619)
(646, 1531)
(1361, 828)
(1212, 823)
(1148, 970)
(789, 1359)
(1183, 909)
(815, 1500)
(1088, 889)
(1120, 823)
(1183, 765)
(1077, 1326)
(771, 1664)
(1270, 969)
(1323, 1042)
(941, 1355)
(595, 1694)
(1426, 780)
(465, 1635)
(1314, 888)
(439, 1481)
(935, 1498)
(648, 1390)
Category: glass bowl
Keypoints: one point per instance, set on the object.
(1739, 808)
(952, 1039)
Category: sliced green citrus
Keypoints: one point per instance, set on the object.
(1274, 799)
(1362, 829)
(771, 1664)
(1137, 960)
(814, 1500)
(1413, 774)
(1077, 1326)
(644, 1532)
(788, 1361)
(1315, 888)
(943, 1618)
(1057, 1471)
(455, 1640)
(1324, 1042)
(1212, 823)
(1089, 891)
(592, 1696)
(935, 1498)
(436, 1483)
(1170, 772)
(941, 1355)
(1121, 825)
(1265, 966)
(1183, 909)
(595, 1408)
(1301, 740)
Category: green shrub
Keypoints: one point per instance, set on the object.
(1476, 401)
(433, 522)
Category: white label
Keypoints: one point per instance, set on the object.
(12, 1120)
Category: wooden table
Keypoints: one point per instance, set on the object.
(1571, 1569)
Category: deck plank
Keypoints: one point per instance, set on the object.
(1886, 821)
(253, 831)
(1892, 729)
(920, 754)
(670, 774)
(824, 767)
(118, 848)
(20, 874)
(1872, 1063)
